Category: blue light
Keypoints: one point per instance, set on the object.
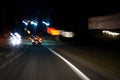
(25, 23)
(47, 24)
(33, 23)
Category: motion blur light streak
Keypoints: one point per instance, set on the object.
(110, 33)
(15, 39)
(27, 31)
(25, 23)
(75, 69)
(17, 35)
(47, 24)
(67, 34)
(34, 23)
(50, 29)
(53, 31)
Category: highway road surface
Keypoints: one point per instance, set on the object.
(28, 62)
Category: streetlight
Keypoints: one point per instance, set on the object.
(35, 23)
(47, 24)
(25, 23)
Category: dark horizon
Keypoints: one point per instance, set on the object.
(63, 14)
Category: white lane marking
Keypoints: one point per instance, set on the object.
(75, 69)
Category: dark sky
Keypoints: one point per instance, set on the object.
(62, 13)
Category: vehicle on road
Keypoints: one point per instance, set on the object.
(36, 40)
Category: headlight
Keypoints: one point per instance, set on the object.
(15, 39)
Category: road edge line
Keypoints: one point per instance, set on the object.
(74, 68)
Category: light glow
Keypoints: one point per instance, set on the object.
(67, 34)
(110, 33)
(47, 24)
(33, 23)
(25, 23)
(15, 39)
(53, 31)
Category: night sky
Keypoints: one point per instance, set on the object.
(63, 14)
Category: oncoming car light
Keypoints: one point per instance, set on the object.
(15, 39)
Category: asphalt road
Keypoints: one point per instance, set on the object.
(37, 63)
(41, 63)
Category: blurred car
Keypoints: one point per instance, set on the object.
(36, 40)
